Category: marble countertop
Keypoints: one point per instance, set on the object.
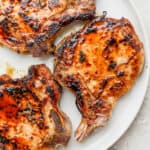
(138, 135)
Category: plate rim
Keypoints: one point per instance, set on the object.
(146, 46)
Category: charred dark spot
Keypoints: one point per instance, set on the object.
(117, 86)
(120, 73)
(27, 110)
(3, 140)
(35, 26)
(13, 39)
(126, 38)
(61, 50)
(5, 25)
(110, 24)
(21, 14)
(1, 94)
(111, 41)
(41, 125)
(103, 83)
(66, 20)
(53, 28)
(41, 118)
(15, 90)
(82, 56)
(106, 51)
(26, 18)
(2, 82)
(41, 38)
(86, 16)
(72, 43)
(59, 86)
(15, 24)
(50, 90)
(30, 43)
(43, 80)
(57, 120)
(90, 30)
(111, 65)
(14, 145)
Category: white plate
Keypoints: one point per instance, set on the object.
(128, 106)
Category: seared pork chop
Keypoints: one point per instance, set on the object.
(30, 26)
(30, 117)
(99, 64)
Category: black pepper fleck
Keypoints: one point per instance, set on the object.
(112, 65)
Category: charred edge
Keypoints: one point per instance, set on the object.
(75, 86)
(53, 28)
(83, 16)
(90, 30)
(130, 40)
(100, 18)
(71, 44)
(50, 90)
(59, 86)
(57, 120)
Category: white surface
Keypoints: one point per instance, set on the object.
(127, 107)
(138, 135)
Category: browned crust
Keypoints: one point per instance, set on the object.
(89, 57)
(21, 102)
(40, 40)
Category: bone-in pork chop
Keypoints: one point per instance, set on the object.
(30, 118)
(30, 26)
(99, 64)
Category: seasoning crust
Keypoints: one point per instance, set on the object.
(99, 64)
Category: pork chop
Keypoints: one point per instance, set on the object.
(99, 64)
(30, 116)
(30, 26)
